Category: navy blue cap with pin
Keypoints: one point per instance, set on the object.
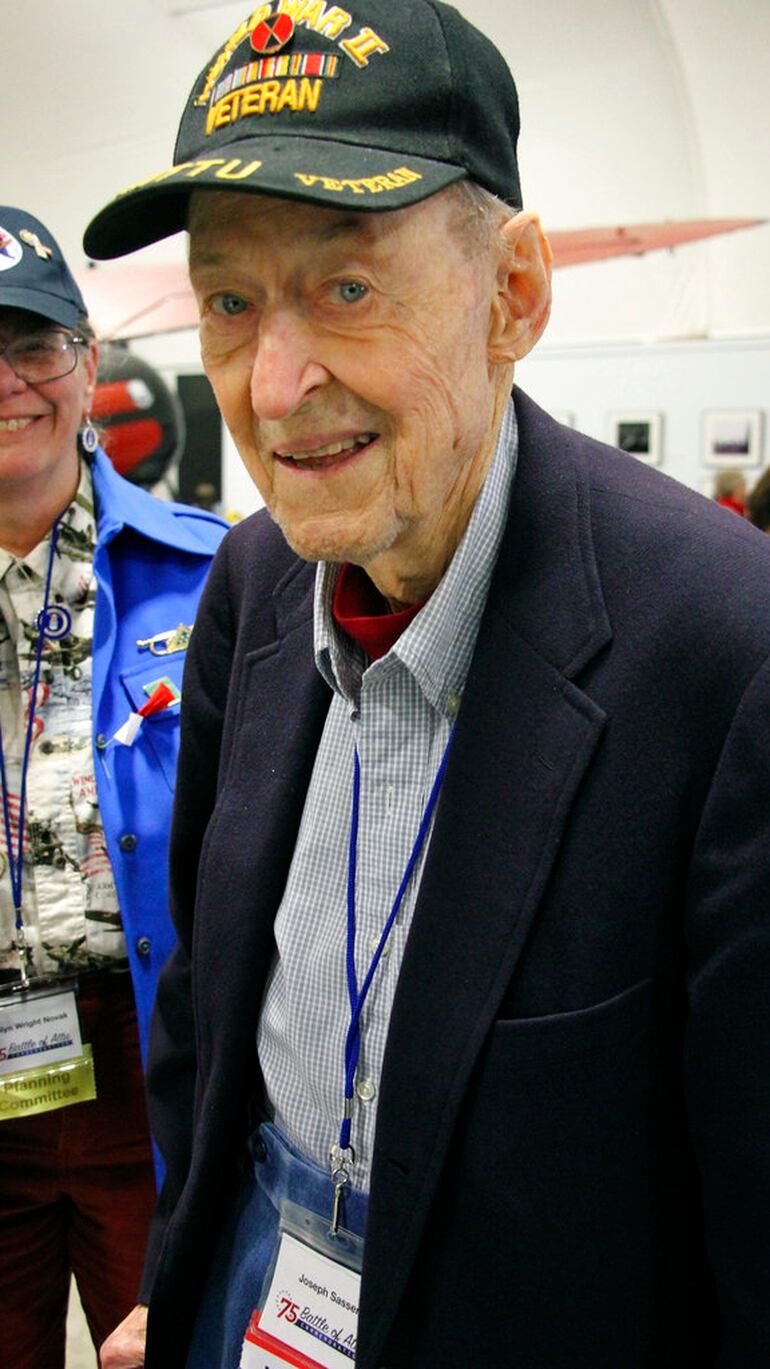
(33, 272)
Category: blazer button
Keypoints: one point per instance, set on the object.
(101, 741)
(143, 945)
(128, 842)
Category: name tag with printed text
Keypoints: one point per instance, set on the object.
(43, 1062)
(309, 1317)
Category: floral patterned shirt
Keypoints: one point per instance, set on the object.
(69, 901)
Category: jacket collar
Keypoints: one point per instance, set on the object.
(547, 583)
(119, 504)
(525, 737)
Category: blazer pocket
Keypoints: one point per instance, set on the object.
(611, 1023)
(552, 1167)
(563, 1100)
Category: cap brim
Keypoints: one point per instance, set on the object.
(332, 174)
(40, 302)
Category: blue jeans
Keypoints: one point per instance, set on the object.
(273, 1171)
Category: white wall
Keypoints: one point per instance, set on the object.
(681, 381)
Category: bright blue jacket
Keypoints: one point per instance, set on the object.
(150, 563)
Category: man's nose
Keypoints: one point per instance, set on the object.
(285, 370)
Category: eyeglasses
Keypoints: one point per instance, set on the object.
(43, 356)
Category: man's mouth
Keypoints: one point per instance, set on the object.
(14, 425)
(332, 454)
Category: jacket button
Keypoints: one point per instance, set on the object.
(259, 1151)
(101, 741)
(128, 842)
(143, 945)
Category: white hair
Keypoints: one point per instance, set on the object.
(480, 214)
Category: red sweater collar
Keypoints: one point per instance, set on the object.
(360, 610)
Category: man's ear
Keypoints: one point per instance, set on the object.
(522, 302)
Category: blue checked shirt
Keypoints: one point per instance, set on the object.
(398, 711)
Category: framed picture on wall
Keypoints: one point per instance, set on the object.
(640, 434)
(732, 437)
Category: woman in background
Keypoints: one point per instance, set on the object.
(99, 583)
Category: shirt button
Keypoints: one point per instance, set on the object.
(365, 1090)
(143, 945)
(101, 741)
(46, 748)
(128, 842)
(374, 943)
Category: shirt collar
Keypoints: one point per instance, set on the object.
(437, 646)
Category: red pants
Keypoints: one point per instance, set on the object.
(76, 1194)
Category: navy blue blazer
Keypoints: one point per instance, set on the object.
(572, 1160)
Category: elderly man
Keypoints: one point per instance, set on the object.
(463, 1057)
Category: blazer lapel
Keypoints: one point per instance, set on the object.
(274, 762)
(524, 738)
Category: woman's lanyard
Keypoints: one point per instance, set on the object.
(44, 625)
(342, 1153)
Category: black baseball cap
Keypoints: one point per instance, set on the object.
(373, 106)
(33, 272)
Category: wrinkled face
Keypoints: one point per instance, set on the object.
(39, 423)
(348, 353)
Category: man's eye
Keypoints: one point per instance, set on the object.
(228, 305)
(351, 291)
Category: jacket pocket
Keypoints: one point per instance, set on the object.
(537, 1040)
(159, 734)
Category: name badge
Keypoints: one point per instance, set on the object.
(308, 1316)
(44, 1064)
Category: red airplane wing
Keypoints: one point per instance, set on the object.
(139, 301)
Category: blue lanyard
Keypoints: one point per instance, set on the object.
(358, 996)
(15, 861)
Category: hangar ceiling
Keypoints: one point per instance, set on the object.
(632, 111)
